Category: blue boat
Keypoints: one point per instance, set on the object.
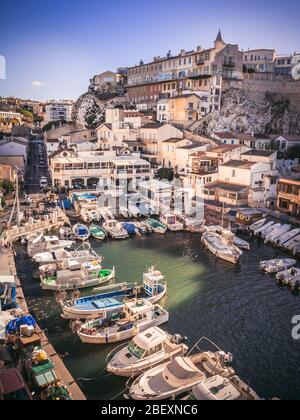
(81, 232)
(130, 228)
(105, 305)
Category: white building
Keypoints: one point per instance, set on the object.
(163, 111)
(284, 141)
(10, 115)
(14, 146)
(58, 112)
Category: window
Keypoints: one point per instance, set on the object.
(233, 173)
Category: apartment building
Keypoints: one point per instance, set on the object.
(188, 70)
(283, 142)
(283, 64)
(260, 60)
(288, 196)
(58, 112)
(87, 170)
(9, 115)
(251, 140)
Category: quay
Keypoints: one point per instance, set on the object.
(8, 268)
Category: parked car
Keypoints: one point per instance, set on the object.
(13, 386)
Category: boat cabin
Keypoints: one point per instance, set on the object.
(147, 343)
(152, 282)
(138, 310)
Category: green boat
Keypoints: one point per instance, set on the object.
(98, 232)
(156, 226)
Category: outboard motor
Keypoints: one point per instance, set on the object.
(178, 339)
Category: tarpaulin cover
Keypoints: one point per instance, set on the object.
(130, 228)
(13, 327)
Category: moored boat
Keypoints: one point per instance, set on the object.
(286, 276)
(270, 229)
(83, 253)
(148, 349)
(98, 232)
(105, 304)
(277, 265)
(115, 229)
(284, 239)
(156, 226)
(277, 233)
(47, 243)
(106, 213)
(259, 230)
(172, 222)
(257, 225)
(240, 243)
(81, 232)
(138, 316)
(222, 246)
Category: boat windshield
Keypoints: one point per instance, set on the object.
(136, 350)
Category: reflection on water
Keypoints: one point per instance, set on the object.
(243, 311)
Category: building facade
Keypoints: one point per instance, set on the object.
(288, 199)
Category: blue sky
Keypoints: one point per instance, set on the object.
(52, 48)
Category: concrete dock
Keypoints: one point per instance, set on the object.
(8, 268)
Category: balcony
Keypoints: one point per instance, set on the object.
(200, 61)
(229, 64)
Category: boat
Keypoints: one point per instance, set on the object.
(277, 233)
(32, 238)
(66, 233)
(240, 243)
(270, 229)
(257, 225)
(106, 213)
(218, 388)
(95, 215)
(192, 224)
(277, 265)
(134, 210)
(85, 215)
(98, 232)
(130, 228)
(74, 275)
(115, 229)
(172, 222)
(284, 239)
(125, 212)
(222, 246)
(181, 375)
(156, 226)
(259, 231)
(142, 228)
(105, 304)
(46, 244)
(285, 277)
(138, 316)
(151, 209)
(81, 232)
(147, 350)
(59, 255)
(144, 210)
(292, 243)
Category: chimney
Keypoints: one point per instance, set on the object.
(199, 48)
(182, 52)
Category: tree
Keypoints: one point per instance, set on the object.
(166, 173)
(293, 152)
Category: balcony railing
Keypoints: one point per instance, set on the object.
(229, 64)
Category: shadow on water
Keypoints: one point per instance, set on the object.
(243, 311)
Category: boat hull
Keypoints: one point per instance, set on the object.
(229, 258)
(78, 285)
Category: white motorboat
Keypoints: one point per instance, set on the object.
(115, 229)
(240, 243)
(94, 215)
(151, 210)
(85, 216)
(172, 222)
(106, 213)
(125, 212)
(257, 225)
(138, 316)
(74, 275)
(147, 350)
(81, 232)
(277, 265)
(180, 376)
(47, 243)
(277, 233)
(259, 231)
(270, 229)
(191, 224)
(134, 210)
(286, 276)
(222, 246)
(218, 388)
(284, 239)
(292, 243)
(61, 255)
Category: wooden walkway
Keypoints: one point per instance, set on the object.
(8, 268)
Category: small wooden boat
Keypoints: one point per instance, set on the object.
(138, 316)
(131, 229)
(147, 350)
(172, 222)
(218, 388)
(98, 232)
(115, 229)
(156, 226)
(102, 305)
(134, 210)
(65, 233)
(81, 232)
(277, 265)
(222, 246)
(125, 212)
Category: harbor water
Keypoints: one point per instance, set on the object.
(243, 311)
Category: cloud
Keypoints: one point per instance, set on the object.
(37, 84)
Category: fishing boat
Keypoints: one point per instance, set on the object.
(222, 246)
(138, 316)
(257, 225)
(277, 233)
(277, 265)
(74, 275)
(286, 276)
(115, 229)
(240, 243)
(156, 226)
(82, 254)
(47, 244)
(284, 239)
(105, 304)
(81, 232)
(218, 388)
(147, 350)
(98, 232)
(172, 222)
(192, 224)
(106, 213)
(181, 375)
